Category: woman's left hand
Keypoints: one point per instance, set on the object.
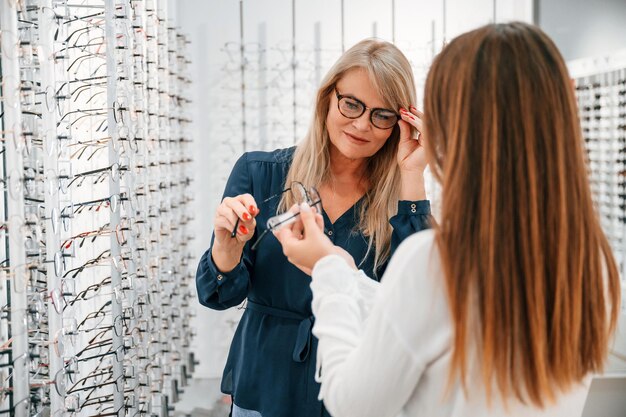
(411, 153)
(304, 242)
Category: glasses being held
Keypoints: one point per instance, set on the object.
(300, 194)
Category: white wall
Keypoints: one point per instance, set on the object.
(269, 96)
(583, 29)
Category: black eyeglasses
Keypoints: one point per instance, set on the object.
(353, 108)
(300, 195)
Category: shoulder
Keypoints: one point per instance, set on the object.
(416, 261)
(279, 156)
(415, 295)
(256, 171)
(418, 247)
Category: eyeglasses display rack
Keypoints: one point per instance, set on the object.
(96, 281)
(601, 94)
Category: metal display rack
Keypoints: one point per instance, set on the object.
(96, 275)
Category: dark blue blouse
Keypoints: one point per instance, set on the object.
(271, 364)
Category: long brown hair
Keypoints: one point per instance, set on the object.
(391, 74)
(530, 276)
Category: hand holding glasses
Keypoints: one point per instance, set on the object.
(235, 217)
(234, 221)
(300, 194)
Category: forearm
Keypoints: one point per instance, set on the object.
(221, 290)
(412, 186)
(413, 209)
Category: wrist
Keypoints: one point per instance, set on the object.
(226, 259)
(344, 255)
(412, 174)
(412, 186)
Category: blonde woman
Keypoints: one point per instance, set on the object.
(360, 159)
(505, 309)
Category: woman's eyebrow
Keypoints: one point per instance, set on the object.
(356, 98)
(343, 93)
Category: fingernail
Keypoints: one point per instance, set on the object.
(413, 108)
(243, 229)
(305, 206)
(246, 217)
(402, 110)
(252, 210)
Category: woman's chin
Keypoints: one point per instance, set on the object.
(349, 150)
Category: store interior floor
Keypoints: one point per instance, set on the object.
(202, 398)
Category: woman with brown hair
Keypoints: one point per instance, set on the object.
(507, 307)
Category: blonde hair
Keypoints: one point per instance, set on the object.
(524, 256)
(391, 75)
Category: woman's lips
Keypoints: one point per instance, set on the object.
(356, 139)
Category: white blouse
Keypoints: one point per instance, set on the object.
(385, 349)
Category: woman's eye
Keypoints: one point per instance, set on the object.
(385, 116)
(352, 105)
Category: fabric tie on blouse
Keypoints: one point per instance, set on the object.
(302, 347)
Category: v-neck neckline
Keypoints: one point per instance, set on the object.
(344, 214)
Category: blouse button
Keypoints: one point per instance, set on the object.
(413, 206)
(330, 233)
(220, 277)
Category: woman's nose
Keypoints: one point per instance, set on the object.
(362, 123)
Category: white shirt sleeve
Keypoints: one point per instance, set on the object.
(370, 368)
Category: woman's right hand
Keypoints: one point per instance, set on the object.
(226, 249)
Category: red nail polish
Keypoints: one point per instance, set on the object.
(402, 110)
(246, 217)
(413, 108)
(253, 210)
(243, 229)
